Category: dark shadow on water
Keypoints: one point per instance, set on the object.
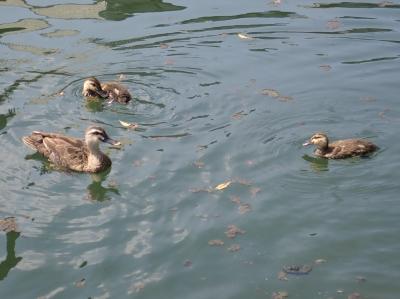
(96, 191)
(118, 10)
(317, 164)
(94, 105)
(4, 117)
(45, 166)
(11, 260)
(380, 4)
(11, 29)
(266, 14)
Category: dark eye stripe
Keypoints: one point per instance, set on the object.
(97, 133)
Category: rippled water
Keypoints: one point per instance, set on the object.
(224, 92)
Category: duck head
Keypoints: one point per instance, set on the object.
(92, 88)
(94, 135)
(320, 140)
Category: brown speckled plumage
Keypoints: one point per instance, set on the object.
(113, 91)
(72, 153)
(340, 149)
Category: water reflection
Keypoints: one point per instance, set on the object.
(11, 260)
(4, 117)
(96, 191)
(94, 105)
(23, 26)
(317, 164)
(118, 10)
(383, 4)
(115, 10)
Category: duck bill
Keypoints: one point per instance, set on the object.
(112, 142)
(101, 93)
(307, 143)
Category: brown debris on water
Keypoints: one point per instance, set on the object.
(254, 191)
(80, 283)
(244, 208)
(216, 242)
(333, 24)
(8, 224)
(273, 93)
(325, 67)
(280, 295)
(233, 231)
(234, 248)
(235, 199)
(198, 164)
(187, 263)
(282, 276)
(361, 279)
(354, 296)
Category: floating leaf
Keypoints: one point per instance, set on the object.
(285, 98)
(81, 283)
(244, 36)
(325, 67)
(216, 242)
(239, 115)
(333, 24)
(233, 231)
(197, 190)
(8, 224)
(254, 191)
(297, 269)
(234, 248)
(199, 164)
(138, 286)
(273, 93)
(360, 279)
(280, 295)
(282, 275)
(222, 186)
(235, 199)
(187, 263)
(169, 61)
(244, 208)
(354, 296)
(319, 261)
(132, 126)
(270, 92)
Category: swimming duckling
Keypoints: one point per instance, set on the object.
(340, 149)
(72, 153)
(113, 91)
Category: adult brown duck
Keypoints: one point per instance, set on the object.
(113, 91)
(340, 149)
(72, 153)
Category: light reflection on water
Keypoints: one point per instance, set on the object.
(223, 92)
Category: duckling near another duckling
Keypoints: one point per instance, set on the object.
(72, 153)
(113, 91)
(340, 149)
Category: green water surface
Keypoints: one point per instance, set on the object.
(225, 92)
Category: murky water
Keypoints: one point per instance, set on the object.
(224, 92)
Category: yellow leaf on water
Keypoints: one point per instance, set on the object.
(270, 92)
(129, 125)
(223, 185)
(244, 36)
